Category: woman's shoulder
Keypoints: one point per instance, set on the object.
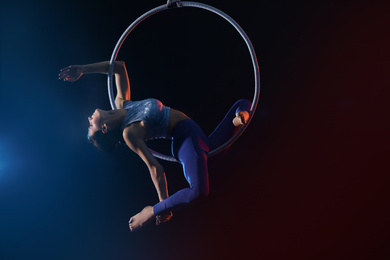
(148, 102)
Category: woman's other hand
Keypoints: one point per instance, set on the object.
(71, 73)
(162, 218)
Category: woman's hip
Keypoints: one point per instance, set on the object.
(188, 139)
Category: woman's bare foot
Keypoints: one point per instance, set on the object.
(241, 118)
(142, 218)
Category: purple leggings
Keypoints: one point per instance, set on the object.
(190, 147)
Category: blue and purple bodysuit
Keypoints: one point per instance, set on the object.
(189, 146)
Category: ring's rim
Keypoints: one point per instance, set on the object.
(240, 31)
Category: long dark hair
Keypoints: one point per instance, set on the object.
(106, 141)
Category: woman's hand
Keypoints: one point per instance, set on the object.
(162, 218)
(71, 73)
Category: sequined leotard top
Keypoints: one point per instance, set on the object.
(152, 112)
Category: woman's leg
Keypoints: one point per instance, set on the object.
(226, 129)
(190, 147)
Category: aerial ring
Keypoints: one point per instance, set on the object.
(240, 31)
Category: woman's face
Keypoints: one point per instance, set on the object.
(94, 123)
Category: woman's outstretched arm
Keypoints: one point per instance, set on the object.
(74, 72)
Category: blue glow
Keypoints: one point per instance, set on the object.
(2, 166)
(4, 157)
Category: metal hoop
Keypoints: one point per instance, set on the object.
(227, 18)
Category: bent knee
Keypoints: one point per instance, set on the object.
(242, 105)
(199, 193)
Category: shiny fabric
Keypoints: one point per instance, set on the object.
(152, 112)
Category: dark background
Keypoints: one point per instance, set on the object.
(308, 179)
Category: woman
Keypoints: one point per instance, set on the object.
(134, 122)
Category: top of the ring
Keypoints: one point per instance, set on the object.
(173, 3)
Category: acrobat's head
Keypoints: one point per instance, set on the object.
(101, 133)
